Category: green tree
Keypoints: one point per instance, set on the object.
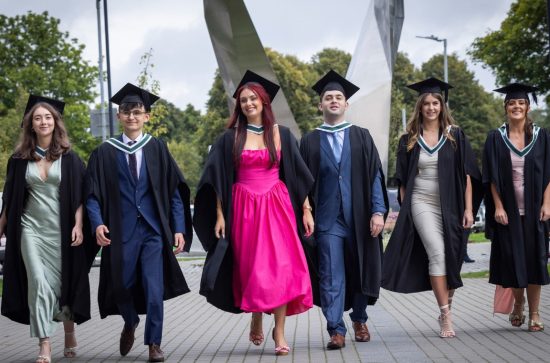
(215, 120)
(36, 57)
(181, 124)
(330, 58)
(145, 80)
(189, 160)
(295, 78)
(519, 49)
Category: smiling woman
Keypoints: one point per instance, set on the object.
(439, 192)
(42, 195)
(516, 173)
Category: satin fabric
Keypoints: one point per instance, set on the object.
(41, 250)
(270, 269)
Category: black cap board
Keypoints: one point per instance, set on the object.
(34, 99)
(133, 94)
(431, 85)
(251, 77)
(518, 91)
(332, 81)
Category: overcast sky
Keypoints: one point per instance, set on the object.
(183, 56)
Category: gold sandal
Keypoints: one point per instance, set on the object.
(519, 319)
(42, 358)
(69, 352)
(534, 325)
(255, 337)
(446, 323)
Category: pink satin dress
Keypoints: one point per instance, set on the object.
(270, 268)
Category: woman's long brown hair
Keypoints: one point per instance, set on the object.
(528, 127)
(414, 124)
(239, 120)
(59, 144)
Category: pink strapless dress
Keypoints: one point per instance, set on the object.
(270, 267)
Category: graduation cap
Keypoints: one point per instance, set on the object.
(251, 77)
(332, 81)
(34, 99)
(431, 85)
(518, 91)
(133, 94)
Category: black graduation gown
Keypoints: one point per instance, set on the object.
(75, 261)
(405, 259)
(217, 180)
(518, 257)
(364, 264)
(164, 177)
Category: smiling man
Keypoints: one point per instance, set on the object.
(349, 203)
(138, 204)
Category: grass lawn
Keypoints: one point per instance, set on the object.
(483, 274)
(1, 285)
(190, 258)
(475, 275)
(477, 237)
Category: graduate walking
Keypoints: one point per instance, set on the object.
(250, 211)
(439, 191)
(349, 203)
(516, 176)
(138, 204)
(47, 255)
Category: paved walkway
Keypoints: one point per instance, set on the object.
(403, 327)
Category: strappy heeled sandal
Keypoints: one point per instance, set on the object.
(42, 358)
(280, 349)
(535, 325)
(69, 352)
(255, 337)
(445, 323)
(516, 319)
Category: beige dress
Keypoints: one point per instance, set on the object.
(426, 212)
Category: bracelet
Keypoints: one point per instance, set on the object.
(378, 214)
(308, 207)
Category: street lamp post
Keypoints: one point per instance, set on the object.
(445, 68)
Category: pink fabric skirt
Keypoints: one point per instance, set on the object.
(270, 268)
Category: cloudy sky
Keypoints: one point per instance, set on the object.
(182, 51)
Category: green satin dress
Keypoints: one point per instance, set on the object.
(41, 249)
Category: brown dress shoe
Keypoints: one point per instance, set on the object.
(361, 332)
(127, 338)
(155, 353)
(337, 341)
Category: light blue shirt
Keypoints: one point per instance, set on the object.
(378, 205)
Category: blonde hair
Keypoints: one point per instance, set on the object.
(415, 122)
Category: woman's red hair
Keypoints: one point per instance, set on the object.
(239, 120)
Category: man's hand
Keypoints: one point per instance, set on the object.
(179, 243)
(101, 235)
(376, 225)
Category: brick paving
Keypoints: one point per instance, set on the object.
(403, 327)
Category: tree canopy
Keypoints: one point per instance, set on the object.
(36, 57)
(519, 50)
